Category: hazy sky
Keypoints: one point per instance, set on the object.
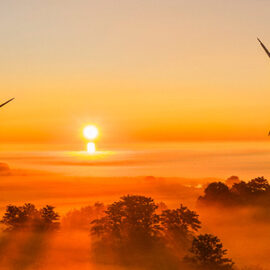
(142, 71)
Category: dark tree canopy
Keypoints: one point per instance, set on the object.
(128, 233)
(131, 228)
(217, 190)
(207, 253)
(179, 223)
(258, 186)
(255, 192)
(181, 218)
(178, 227)
(28, 217)
(132, 216)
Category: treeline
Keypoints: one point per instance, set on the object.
(132, 232)
(255, 192)
(28, 217)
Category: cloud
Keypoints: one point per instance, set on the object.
(96, 163)
(4, 169)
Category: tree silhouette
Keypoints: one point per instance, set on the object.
(49, 218)
(179, 224)
(131, 217)
(258, 186)
(130, 233)
(207, 253)
(255, 192)
(28, 217)
(217, 190)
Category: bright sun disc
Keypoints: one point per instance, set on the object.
(90, 132)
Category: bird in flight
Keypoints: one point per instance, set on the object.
(6, 102)
(265, 49)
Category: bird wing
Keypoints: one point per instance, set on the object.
(6, 102)
(266, 50)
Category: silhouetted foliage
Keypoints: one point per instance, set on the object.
(179, 224)
(207, 253)
(131, 217)
(28, 217)
(255, 192)
(130, 233)
(217, 191)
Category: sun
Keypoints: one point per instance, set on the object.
(90, 132)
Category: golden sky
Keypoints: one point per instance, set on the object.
(142, 71)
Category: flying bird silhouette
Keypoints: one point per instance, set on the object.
(6, 102)
(265, 49)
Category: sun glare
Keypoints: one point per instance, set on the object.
(91, 148)
(90, 132)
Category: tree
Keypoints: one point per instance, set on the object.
(27, 217)
(258, 186)
(207, 253)
(179, 224)
(216, 192)
(256, 191)
(130, 233)
(49, 218)
(131, 217)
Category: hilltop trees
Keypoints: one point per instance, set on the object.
(27, 217)
(217, 191)
(255, 192)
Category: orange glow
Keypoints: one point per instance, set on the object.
(199, 89)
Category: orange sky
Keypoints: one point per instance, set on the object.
(142, 71)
